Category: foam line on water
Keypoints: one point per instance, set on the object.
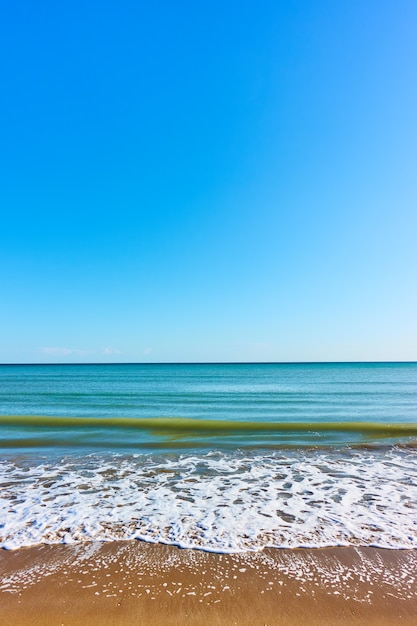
(219, 502)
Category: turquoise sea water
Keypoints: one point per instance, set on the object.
(221, 457)
(214, 399)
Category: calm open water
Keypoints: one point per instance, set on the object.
(223, 457)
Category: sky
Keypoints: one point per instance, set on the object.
(222, 181)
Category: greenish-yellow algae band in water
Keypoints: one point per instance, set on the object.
(174, 424)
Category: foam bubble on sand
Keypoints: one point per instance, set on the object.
(137, 570)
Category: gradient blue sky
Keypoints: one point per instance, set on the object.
(222, 181)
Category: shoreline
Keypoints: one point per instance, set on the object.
(133, 582)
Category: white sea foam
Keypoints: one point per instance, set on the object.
(223, 502)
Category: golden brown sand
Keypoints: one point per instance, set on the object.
(137, 583)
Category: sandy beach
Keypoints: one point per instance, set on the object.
(141, 583)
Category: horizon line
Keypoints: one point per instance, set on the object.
(214, 363)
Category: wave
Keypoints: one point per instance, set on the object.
(173, 433)
(187, 425)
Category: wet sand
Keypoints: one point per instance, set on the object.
(139, 583)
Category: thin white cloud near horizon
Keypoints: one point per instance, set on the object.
(62, 351)
(58, 351)
(109, 350)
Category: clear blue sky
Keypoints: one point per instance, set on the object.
(220, 181)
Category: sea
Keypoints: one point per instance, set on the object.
(218, 457)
